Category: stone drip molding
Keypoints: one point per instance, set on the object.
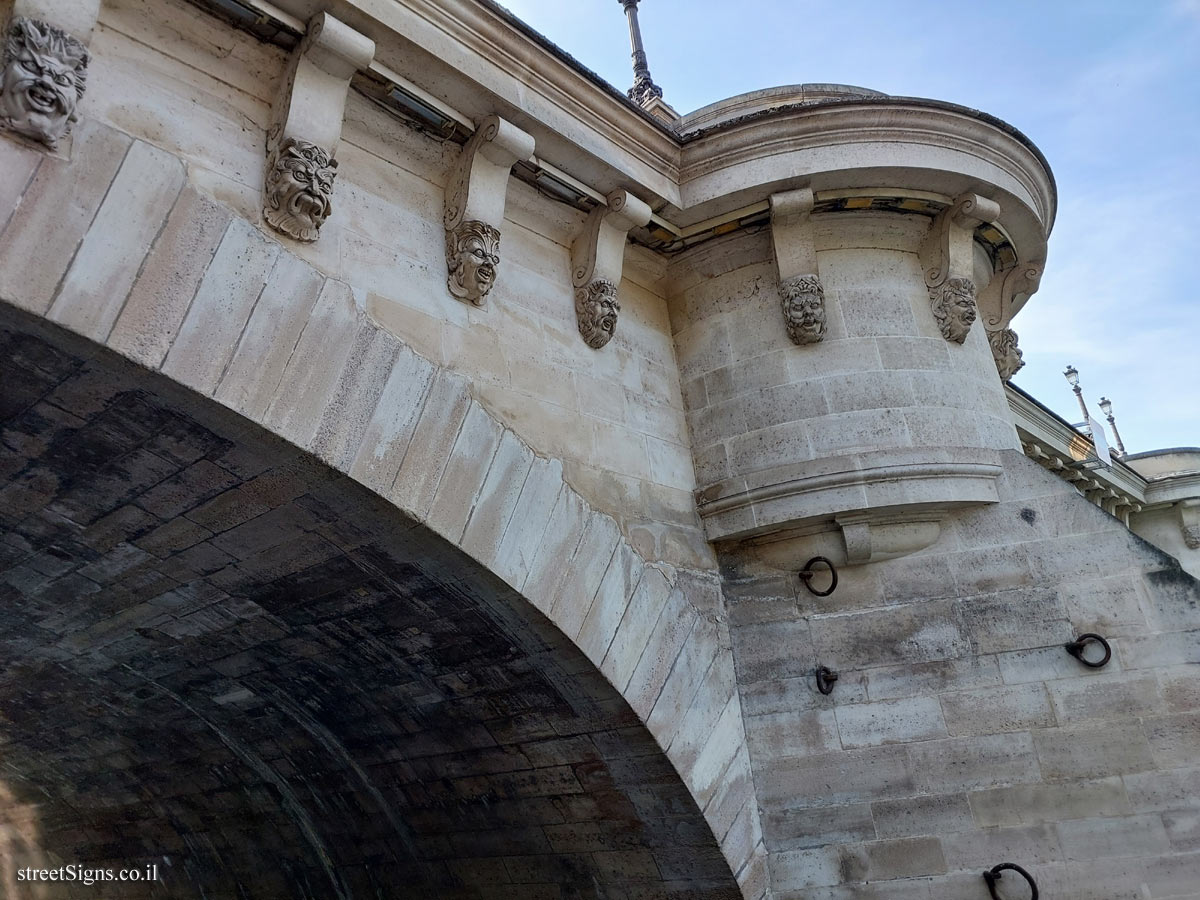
(597, 260)
(474, 213)
(948, 263)
(801, 294)
(307, 125)
(45, 68)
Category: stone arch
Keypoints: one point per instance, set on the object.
(230, 660)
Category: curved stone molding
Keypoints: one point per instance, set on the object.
(954, 308)
(597, 261)
(474, 212)
(472, 254)
(596, 308)
(1005, 352)
(307, 125)
(298, 189)
(904, 487)
(803, 308)
(44, 77)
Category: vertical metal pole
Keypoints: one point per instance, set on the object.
(643, 85)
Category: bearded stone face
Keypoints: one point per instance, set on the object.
(45, 73)
(472, 254)
(596, 308)
(954, 308)
(299, 189)
(1006, 353)
(804, 308)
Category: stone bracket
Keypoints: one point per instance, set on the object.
(1189, 522)
(946, 252)
(599, 252)
(478, 182)
(801, 293)
(1007, 292)
(597, 259)
(306, 125)
(792, 234)
(312, 102)
(474, 212)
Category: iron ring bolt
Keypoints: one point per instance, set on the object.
(1077, 647)
(825, 679)
(992, 875)
(806, 575)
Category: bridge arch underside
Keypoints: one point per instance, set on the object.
(222, 657)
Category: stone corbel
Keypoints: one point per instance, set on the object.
(948, 261)
(800, 290)
(474, 211)
(1189, 522)
(1007, 292)
(45, 67)
(307, 125)
(597, 258)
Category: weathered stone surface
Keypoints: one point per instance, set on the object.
(94, 289)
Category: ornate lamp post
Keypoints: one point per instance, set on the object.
(1072, 375)
(1106, 408)
(643, 85)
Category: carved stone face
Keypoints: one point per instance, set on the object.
(299, 189)
(596, 308)
(1006, 353)
(954, 308)
(472, 254)
(45, 73)
(804, 308)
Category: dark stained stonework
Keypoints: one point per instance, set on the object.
(225, 658)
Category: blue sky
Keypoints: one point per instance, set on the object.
(1110, 92)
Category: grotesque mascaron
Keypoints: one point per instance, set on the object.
(45, 73)
(596, 308)
(954, 308)
(804, 308)
(1005, 352)
(472, 254)
(298, 189)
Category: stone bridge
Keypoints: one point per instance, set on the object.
(435, 530)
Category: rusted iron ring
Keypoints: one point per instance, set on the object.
(825, 679)
(806, 575)
(992, 875)
(1076, 648)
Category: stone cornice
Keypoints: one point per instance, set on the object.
(476, 58)
(868, 133)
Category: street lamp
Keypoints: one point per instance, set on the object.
(1106, 408)
(1073, 378)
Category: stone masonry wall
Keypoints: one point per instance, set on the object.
(961, 734)
(166, 73)
(116, 245)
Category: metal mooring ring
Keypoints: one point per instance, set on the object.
(1076, 647)
(806, 575)
(825, 679)
(992, 875)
